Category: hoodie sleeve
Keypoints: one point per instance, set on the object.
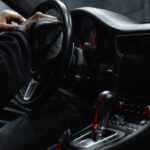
(14, 63)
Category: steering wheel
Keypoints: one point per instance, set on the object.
(44, 80)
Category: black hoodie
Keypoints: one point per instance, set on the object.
(14, 63)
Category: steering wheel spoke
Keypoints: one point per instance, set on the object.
(30, 90)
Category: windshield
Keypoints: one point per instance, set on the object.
(136, 9)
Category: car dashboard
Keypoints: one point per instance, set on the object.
(116, 50)
(111, 53)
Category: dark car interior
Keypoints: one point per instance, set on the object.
(102, 66)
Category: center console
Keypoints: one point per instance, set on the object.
(128, 118)
(124, 118)
(84, 139)
(116, 120)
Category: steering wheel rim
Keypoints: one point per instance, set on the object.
(67, 49)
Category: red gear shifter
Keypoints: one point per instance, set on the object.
(105, 102)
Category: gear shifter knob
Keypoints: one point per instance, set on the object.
(105, 103)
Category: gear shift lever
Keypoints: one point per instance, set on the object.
(99, 135)
(105, 102)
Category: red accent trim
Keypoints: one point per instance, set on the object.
(95, 127)
(100, 99)
(118, 106)
(95, 123)
(96, 116)
(58, 147)
(80, 46)
(92, 42)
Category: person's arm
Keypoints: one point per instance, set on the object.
(14, 55)
(14, 63)
(15, 52)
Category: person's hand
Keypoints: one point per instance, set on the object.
(6, 18)
(25, 26)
